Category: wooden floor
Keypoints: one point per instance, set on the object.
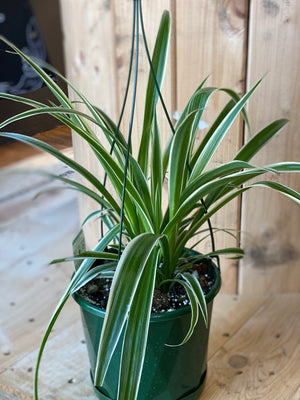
(254, 350)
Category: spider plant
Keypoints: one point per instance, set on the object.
(151, 243)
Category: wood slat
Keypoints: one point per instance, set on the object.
(224, 325)
(32, 234)
(261, 361)
(64, 373)
(211, 38)
(90, 53)
(270, 222)
(107, 62)
(262, 333)
(152, 12)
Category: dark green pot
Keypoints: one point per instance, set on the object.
(169, 373)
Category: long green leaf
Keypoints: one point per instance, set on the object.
(50, 110)
(159, 59)
(287, 191)
(83, 269)
(228, 250)
(188, 234)
(156, 176)
(105, 270)
(178, 161)
(218, 135)
(228, 107)
(23, 100)
(197, 300)
(286, 166)
(55, 89)
(132, 264)
(188, 205)
(194, 311)
(198, 293)
(198, 103)
(65, 116)
(96, 214)
(136, 333)
(67, 161)
(57, 154)
(166, 267)
(114, 171)
(188, 108)
(255, 144)
(277, 168)
(215, 173)
(201, 220)
(96, 255)
(193, 103)
(101, 119)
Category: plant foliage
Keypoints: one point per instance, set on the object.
(152, 240)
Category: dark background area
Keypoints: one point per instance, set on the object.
(48, 17)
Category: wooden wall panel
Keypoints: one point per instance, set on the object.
(152, 12)
(97, 50)
(90, 66)
(211, 38)
(271, 232)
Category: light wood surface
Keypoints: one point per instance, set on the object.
(82, 52)
(106, 62)
(234, 46)
(254, 350)
(271, 231)
(207, 32)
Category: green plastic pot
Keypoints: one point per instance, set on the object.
(169, 373)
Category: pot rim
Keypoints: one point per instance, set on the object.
(173, 314)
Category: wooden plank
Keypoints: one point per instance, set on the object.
(211, 38)
(271, 231)
(32, 234)
(64, 372)
(19, 187)
(152, 12)
(110, 59)
(90, 66)
(224, 325)
(254, 347)
(261, 361)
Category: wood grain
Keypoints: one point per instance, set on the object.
(191, 60)
(270, 222)
(29, 240)
(261, 361)
(235, 47)
(211, 38)
(152, 12)
(254, 345)
(225, 325)
(109, 60)
(90, 53)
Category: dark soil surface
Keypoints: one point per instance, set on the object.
(97, 291)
